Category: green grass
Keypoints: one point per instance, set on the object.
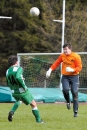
(55, 116)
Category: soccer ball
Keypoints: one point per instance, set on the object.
(34, 11)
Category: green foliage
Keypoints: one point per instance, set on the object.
(25, 33)
(76, 27)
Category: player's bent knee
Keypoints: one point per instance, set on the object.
(65, 91)
(33, 104)
(75, 95)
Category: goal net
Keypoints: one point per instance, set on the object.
(35, 66)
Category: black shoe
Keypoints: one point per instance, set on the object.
(75, 114)
(41, 121)
(68, 106)
(10, 116)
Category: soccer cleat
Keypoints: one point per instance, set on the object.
(75, 114)
(68, 106)
(10, 116)
(41, 121)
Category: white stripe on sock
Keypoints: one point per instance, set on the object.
(35, 108)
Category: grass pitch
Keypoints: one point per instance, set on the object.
(55, 116)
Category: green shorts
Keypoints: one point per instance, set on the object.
(25, 97)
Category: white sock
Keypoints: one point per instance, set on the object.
(35, 108)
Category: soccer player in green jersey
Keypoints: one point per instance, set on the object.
(15, 80)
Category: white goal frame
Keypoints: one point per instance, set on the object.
(43, 54)
(4, 17)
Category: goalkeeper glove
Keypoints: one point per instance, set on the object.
(48, 73)
(68, 69)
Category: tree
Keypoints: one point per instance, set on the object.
(25, 33)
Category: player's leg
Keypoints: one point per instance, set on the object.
(28, 98)
(66, 86)
(35, 112)
(74, 90)
(13, 109)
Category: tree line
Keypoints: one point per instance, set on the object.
(26, 34)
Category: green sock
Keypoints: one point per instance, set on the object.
(16, 105)
(36, 114)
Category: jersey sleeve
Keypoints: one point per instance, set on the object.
(78, 64)
(56, 63)
(20, 79)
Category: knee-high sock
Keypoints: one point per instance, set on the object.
(15, 106)
(36, 114)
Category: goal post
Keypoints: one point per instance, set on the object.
(35, 66)
(5, 17)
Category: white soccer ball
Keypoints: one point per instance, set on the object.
(34, 11)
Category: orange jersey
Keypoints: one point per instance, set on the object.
(73, 60)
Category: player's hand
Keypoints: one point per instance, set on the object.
(48, 73)
(69, 69)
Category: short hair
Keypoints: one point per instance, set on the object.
(67, 45)
(12, 59)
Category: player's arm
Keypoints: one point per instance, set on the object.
(20, 79)
(54, 66)
(56, 63)
(78, 64)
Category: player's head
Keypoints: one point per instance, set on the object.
(12, 60)
(67, 48)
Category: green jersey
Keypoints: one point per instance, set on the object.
(15, 80)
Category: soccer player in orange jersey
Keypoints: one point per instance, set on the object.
(71, 66)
